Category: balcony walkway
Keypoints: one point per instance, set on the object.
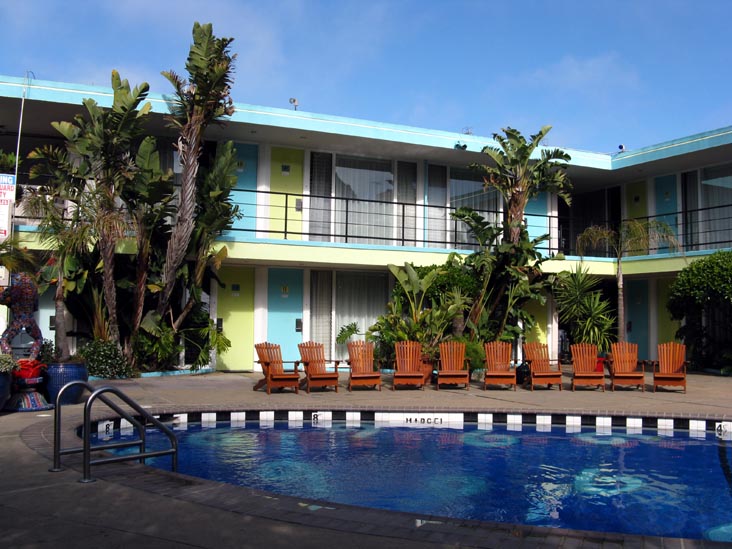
(133, 506)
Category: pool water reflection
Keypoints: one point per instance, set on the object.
(674, 486)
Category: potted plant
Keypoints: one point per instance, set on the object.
(60, 371)
(7, 366)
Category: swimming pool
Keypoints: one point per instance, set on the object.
(673, 485)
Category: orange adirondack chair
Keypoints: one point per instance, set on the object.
(312, 356)
(670, 368)
(624, 365)
(361, 360)
(409, 367)
(498, 369)
(275, 376)
(453, 368)
(537, 355)
(584, 362)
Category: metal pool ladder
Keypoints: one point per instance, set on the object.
(87, 448)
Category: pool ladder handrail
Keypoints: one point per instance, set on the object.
(87, 447)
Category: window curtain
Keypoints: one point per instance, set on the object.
(716, 220)
(321, 182)
(358, 180)
(467, 191)
(407, 199)
(361, 297)
(321, 308)
(435, 208)
(690, 207)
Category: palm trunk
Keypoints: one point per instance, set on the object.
(110, 288)
(189, 147)
(621, 303)
(60, 341)
(138, 307)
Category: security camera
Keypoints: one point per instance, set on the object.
(293, 102)
(621, 147)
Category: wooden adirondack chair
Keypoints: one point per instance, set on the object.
(275, 376)
(312, 356)
(453, 368)
(537, 355)
(498, 369)
(670, 368)
(625, 369)
(409, 367)
(361, 360)
(584, 363)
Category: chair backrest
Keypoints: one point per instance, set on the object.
(408, 356)
(584, 357)
(270, 356)
(313, 355)
(671, 357)
(498, 356)
(538, 356)
(361, 357)
(625, 356)
(452, 355)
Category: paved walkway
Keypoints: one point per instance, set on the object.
(134, 506)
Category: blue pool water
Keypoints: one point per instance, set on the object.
(637, 484)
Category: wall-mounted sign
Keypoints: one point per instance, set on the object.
(7, 204)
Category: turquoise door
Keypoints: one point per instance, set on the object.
(285, 310)
(636, 315)
(666, 203)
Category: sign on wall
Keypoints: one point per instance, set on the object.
(7, 204)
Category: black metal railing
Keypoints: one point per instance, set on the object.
(290, 216)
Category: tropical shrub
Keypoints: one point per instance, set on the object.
(105, 359)
(583, 308)
(701, 296)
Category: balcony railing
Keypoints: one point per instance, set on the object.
(695, 230)
(297, 217)
(285, 216)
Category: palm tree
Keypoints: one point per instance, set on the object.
(519, 177)
(90, 172)
(199, 101)
(634, 236)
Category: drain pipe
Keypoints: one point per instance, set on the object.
(20, 124)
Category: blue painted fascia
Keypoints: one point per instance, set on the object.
(676, 147)
(73, 94)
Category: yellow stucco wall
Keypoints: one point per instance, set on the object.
(538, 333)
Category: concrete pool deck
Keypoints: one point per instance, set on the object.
(134, 506)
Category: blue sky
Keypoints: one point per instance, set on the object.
(601, 73)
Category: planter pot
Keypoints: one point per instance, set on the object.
(5, 383)
(59, 374)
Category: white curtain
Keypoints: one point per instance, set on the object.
(466, 190)
(321, 308)
(358, 180)
(717, 219)
(407, 198)
(436, 202)
(361, 297)
(321, 183)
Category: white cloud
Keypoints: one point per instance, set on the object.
(600, 77)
